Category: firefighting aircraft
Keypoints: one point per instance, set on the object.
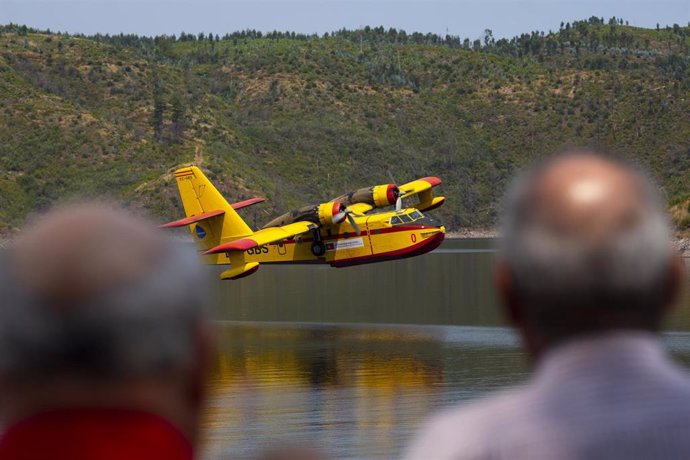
(340, 232)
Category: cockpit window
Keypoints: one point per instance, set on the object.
(401, 219)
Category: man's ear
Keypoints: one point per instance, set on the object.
(514, 310)
(205, 352)
(195, 386)
(676, 272)
(504, 283)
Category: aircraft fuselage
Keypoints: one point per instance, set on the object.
(383, 236)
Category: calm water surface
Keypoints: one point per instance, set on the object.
(353, 360)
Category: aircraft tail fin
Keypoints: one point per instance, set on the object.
(211, 219)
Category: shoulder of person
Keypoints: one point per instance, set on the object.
(465, 430)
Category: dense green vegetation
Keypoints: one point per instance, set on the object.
(299, 119)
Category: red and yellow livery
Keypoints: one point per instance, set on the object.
(341, 232)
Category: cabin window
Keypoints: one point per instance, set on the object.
(416, 215)
(395, 220)
(405, 218)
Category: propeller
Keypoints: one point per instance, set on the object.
(396, 191)
(351, 219)
(340, 213)
(397, 196)
(390, 174)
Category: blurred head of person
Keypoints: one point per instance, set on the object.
(101, 311)
(586, 250)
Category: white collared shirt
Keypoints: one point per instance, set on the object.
(615, 396)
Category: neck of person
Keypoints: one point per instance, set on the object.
(598, 347)
(165, 397)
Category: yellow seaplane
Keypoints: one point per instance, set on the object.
(341, 232)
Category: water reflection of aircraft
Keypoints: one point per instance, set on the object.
(299, 383)
(340, 232)
(302, 358)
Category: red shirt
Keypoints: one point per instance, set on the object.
(94, 434)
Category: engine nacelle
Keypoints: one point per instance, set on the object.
(385, 195)
(378, 196)
(331, 213)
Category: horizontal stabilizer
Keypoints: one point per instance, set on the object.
(239, 245)
(245, 203)
(192, 219)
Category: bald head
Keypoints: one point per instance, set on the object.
(587, 198)
(586, 248)
(76, 253)
(94, 291)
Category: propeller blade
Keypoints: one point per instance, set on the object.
(390, 174)
(353, 223)
(398, 204)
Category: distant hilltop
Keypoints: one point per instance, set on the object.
(300, 119)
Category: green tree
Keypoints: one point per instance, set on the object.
(157, 117)
(178, 120)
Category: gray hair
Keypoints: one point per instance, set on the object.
(570, 284)
(147, 327)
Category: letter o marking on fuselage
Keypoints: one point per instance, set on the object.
(413, 237)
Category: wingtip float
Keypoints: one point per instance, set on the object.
(341, 232)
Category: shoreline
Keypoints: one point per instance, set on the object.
(472, 233)
(681, 242)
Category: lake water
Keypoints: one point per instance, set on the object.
(353, 360)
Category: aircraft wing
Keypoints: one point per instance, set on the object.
(264, 236)
(360, 208)
(418, 186)
(422, 188)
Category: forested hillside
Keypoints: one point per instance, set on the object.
(299, 119)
